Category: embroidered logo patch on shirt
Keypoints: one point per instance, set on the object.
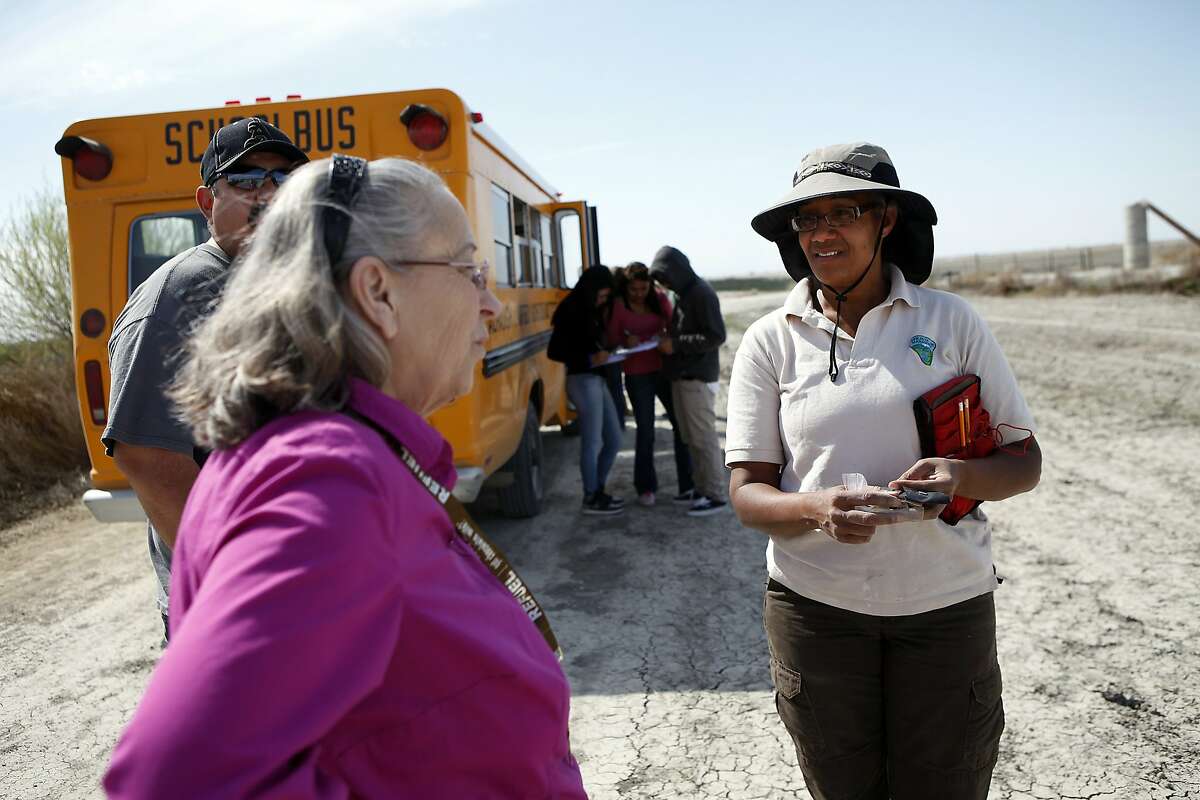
(923, 346)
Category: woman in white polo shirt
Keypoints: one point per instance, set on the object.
(881, 625)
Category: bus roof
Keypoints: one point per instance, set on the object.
(502, 147)
(485, 132)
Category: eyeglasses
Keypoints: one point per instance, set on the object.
(255, 178)
(838, 218)
(477, 272)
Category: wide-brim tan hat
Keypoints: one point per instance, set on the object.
(843, 168)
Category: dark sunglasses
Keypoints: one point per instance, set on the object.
(255, 178)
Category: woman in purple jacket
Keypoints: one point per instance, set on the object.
(331, 634)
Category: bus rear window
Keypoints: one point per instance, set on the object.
(155, 239)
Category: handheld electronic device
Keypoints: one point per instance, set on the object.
(924, 499)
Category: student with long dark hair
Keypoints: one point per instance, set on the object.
(578, 341)
(641, 313)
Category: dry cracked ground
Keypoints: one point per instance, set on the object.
(660, 615)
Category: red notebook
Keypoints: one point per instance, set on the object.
(952, 423)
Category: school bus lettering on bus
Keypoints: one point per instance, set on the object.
(521, 316)
(320, 130)
(530, 313)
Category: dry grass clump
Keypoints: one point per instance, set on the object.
(43, 456)
(1174, 267)
(1182, 278)
(43, 451)
(1187, 284)
(1004, 283)
(753, 283)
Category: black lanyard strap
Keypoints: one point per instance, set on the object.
(469, 531)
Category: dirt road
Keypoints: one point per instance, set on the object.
(660, 615)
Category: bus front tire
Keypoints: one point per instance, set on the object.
(523, 497)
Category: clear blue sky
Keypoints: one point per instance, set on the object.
(1028, 125)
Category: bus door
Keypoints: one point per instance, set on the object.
(576, 239)
(576, 246)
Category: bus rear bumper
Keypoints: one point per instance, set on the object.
(120, 505)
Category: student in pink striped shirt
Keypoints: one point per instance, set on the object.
(641, 313)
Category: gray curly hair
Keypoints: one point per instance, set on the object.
(283, 337)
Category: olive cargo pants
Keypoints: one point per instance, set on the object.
(906, 707)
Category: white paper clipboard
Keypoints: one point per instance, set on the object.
(625, 352)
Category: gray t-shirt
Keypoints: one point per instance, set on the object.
(144, 352)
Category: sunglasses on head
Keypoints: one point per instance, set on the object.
(247, 179)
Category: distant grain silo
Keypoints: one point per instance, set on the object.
(1137, 243)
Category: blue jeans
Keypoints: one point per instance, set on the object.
(599, 428)
(613, 378)
(642, 390)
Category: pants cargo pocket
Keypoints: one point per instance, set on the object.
(796, 711)
(985, 721)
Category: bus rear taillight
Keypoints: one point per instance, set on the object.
(91, 323)
(427, 129)
(94, 386)
(92, 160)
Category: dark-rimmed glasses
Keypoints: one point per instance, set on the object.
(476, 271)
(837, 218)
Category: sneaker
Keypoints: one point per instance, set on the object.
(615, 502)
(646, 499)
(600, 504)
(706, 506)
(685, 498)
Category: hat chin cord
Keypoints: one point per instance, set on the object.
(842, 295)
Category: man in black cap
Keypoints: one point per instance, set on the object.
(242, 167)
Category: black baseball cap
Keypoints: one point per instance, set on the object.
(239, 138)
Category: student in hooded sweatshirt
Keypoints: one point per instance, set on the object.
(578, 341)
(692, 363)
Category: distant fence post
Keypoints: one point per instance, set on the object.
(1137, 243)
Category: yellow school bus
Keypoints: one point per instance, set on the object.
(130, 184)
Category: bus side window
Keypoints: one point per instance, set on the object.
(569, 246)
(523, 239)
(549, 263)
(155, 239)
(536, 245)
(502, 235)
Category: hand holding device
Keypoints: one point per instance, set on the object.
(920, 499)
